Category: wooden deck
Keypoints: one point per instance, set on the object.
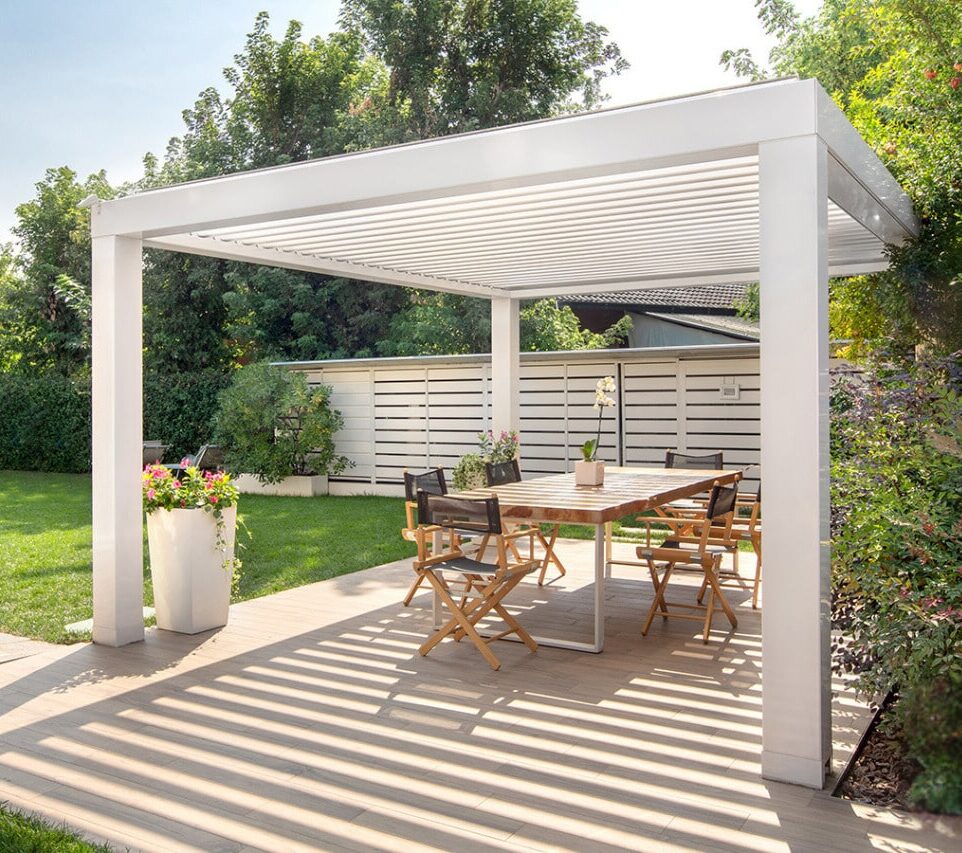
(312, 723)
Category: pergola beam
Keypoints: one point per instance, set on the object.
(584, 146)
(212, 248)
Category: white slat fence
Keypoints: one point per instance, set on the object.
(420, 412)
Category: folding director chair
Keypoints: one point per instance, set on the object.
(500, 473)
(485, 584)
(700, 552)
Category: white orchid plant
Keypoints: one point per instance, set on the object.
(603, 388)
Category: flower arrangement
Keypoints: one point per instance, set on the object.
(603, 388)
(195, 489)
(470, 471)
(211, 491)
(504, 448)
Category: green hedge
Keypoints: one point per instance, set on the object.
(44, 424)
(179, 409)
(45, 420)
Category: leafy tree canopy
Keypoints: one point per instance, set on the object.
(895, 68)
(45, 288)
(458, 65)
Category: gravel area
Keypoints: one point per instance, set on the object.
(882, 775)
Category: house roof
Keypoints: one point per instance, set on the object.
(671, 299)
(735, 327)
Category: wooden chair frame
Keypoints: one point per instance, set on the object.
(526, 529)
(713, 540)
(745, 528)
(409, 531)
(484, 589)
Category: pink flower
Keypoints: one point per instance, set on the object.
(213, 499)
(176, 484)
(185, 462)
(150, 494)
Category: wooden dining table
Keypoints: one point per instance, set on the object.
(557, 499)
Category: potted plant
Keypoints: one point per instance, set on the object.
(277, 433)
(590, 471)
(470, 471)
(191, 525)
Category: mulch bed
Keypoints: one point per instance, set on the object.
(882, 774)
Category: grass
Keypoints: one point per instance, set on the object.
(22, 833)
(45, 542)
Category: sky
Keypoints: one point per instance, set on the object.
(99, 83)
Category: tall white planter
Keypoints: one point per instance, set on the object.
(191, 583)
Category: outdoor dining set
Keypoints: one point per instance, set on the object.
(475, 547)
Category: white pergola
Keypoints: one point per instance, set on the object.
(767, 182)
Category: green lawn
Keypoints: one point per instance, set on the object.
(45, 538)
(20, 833)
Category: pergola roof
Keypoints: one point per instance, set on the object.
(656, 194)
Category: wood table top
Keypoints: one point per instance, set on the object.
(624, 491)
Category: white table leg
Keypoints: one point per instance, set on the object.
(601, 572)
(598, 641)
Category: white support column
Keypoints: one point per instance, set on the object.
(118, 571)
(796, 686)
(505, 365)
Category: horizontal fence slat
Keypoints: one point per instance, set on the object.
(429, 412)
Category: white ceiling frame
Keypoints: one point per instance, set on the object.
(627, 194)
(210, 248)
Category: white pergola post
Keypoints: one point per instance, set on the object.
(505, 365)
(796, 689)
(118, 572)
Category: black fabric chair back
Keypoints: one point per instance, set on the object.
(154, 452)
(707, 462)
(465, 515)
(721, 501)
(209, 458)
(432, 482)
(501, 473)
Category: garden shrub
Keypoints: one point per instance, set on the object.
(897, 556)
(271, 424)
(44, 423)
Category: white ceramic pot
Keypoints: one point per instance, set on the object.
(589, 473)
(291, 487)
(191, 583)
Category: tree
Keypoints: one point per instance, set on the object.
(462, 65)
(459, 65)
(46, 289)
(895, 68)
(442, 324)
(290, 99)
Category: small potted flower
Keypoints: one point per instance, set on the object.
(470, 471)
(590, 471)
(191, 527)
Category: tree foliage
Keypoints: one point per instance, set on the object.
(459, 65)
(895, 68)
(45, 288)
(272, 425)
(442, 323)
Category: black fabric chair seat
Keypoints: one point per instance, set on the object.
(684, 546)
(466, 566)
